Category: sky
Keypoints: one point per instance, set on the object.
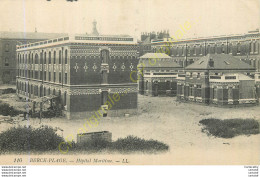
(209, 17)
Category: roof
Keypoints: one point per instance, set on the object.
(79, 39)
(221, 62)
(155, 56)
(147, 40)
(30, 35)
(244, 77)
(160, 64)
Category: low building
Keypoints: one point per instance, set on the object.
(159, 75)
(185, 51)
(219, 79)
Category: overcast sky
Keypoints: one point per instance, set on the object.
(211, 17)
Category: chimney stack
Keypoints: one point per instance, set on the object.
(211, 63)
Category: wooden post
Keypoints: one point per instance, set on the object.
(33, 109)
(41, 111)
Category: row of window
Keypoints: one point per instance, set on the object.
(35, 59)
(180, 51)
(103, 38)
(167, 86)
(192, 91)
(196, 91)
(34, 90)
(45, 76)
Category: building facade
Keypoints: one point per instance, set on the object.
(159, 75)
(185, 51)
(218, 79)
(8, 42)
(85, 71)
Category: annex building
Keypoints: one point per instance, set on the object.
(245, 47)
(159, 75)
(84, 70)
(218, 79)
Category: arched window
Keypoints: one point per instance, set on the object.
(60, 57)
(29, 58)
(223, 48)
(41, 58)
(104, 56)
(230, 48)
(44, 60)
(49, 57)
(66, 56)
(32, 59)
(36, 59)
(251, 47)
(238, 48)
(208, 49)
(214, 49)
(255, 46)
(6, 61)
(54, 57)
(7, 47)
(18, 58)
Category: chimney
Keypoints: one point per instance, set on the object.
(94, 29)
(211, 63)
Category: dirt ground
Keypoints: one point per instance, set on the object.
(176, 124)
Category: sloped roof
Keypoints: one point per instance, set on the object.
(155, 56)
(244, 77)
(221, 61)
(30, 35)
(160, 64)
(147, 40)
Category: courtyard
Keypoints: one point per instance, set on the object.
(174, 123)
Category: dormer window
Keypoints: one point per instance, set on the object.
(227, 62)
(238, 48)
(211, 63)
(201, 62)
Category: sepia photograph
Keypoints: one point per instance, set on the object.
(129, 82)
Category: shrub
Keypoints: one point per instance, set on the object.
(7, 110)
(133, 143)
(9, 90)
(124, 145)
(230, 128)
(93, 145)
(26, 139)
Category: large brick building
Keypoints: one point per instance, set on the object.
(186, 51)
(8, 42)
(218, 79)
(84, 70)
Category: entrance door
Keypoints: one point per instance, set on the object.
(104, 96)
(156, 88)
